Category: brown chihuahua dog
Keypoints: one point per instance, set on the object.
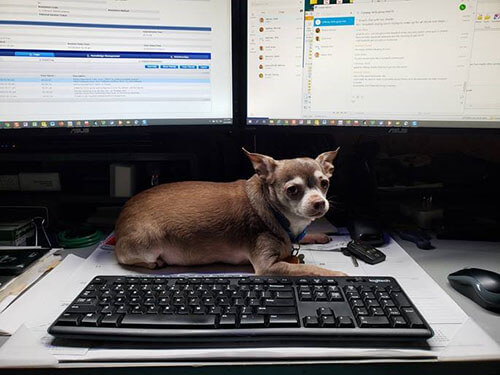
(247, 221)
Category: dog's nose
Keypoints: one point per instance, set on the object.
(319, 205)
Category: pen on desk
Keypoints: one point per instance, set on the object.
(354, 261)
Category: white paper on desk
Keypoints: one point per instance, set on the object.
(472, 340)
(204, 355)
(24, 350)
(38, 303)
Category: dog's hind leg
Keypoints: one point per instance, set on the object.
(138, 251)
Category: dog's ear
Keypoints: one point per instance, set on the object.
(264, 166)
(326, 161)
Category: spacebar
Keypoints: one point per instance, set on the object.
(168, 321)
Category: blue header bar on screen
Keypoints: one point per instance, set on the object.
(334, 21)
(108, 55)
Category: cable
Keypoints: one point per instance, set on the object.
(79, 237)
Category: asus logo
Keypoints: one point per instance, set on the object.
(398, 130)
(80, 131)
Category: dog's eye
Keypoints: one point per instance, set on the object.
(292, 190)
(324, 184)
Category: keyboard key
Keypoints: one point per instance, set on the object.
(169, 321)
(324, 311)
(152, 310)
(360, 311)
(393, 288)
(198, 310)
(279, 302)
(90, 319)
(412, 317)
(385, 303)
(83, 309)
(253, 302)
(107, 309)
(227, 321)
(283, 321)
(251, 321)
(330, 281)
(311, 321)
(68, 319)
(382, 295)
(350, 289)
(270, 295)
(305, 296)
(377, 311)
(335, 297)
(284, 295)
(400, 300)
(136, 309)
(357, 303)
(110, 320)
(398, 322)
(122, 309)
(373, 321)
(279, 288)
(371, 303)
(168, 310)
(230, 310)
(353, 295)
(278, 310)
(365, 288)
(345, 322)
(368, 295)
(320, 296)
(327, 321)
(392, 311)
(247, 310)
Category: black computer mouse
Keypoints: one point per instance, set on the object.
(482, 286)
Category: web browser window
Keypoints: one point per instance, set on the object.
(115, 62)
(374, 63)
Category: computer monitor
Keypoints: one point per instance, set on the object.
(108, 63)
(371, 63)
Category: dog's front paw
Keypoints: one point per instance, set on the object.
(315, 238)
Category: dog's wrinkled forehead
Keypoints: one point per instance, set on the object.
(306, 168)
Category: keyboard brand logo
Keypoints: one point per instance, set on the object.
(379, 280)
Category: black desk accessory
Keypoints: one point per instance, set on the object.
(367, 253)
(418, 237)
(482, 286)
(366, 231)
(15, 261)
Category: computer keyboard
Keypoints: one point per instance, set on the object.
(245, 309)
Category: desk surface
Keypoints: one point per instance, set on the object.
(449, 256)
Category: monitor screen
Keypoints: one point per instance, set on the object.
(66, 63)
(407, 63)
